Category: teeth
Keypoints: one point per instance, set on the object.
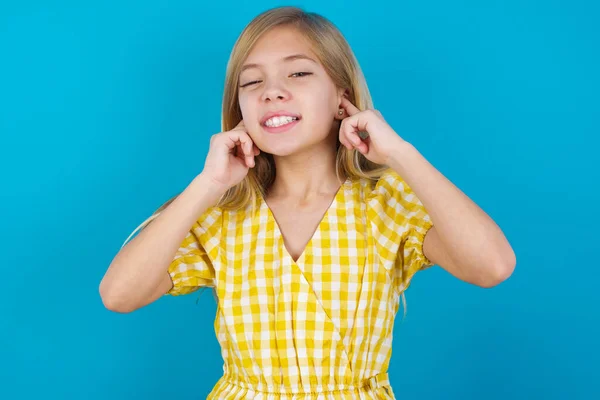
(279, 121)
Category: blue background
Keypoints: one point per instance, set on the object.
(106, 108)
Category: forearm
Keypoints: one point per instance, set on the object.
(142, 264)
(469, 236)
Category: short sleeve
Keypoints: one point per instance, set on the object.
(399, 223)
(192, 267)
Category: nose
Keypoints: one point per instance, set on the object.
(275, 91)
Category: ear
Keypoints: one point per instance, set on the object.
(341, 92)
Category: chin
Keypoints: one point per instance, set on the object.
(291, 144)
(282, 151)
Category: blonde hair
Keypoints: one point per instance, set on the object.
(340, 63)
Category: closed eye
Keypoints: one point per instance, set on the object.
(249, 83)
(295, 75)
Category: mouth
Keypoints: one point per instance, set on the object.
(280, 123)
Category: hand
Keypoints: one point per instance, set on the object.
(230, 157)
(378, 139)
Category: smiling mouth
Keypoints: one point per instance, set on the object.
(281, 125)
(276, 122)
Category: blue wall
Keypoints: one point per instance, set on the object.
(105, 112)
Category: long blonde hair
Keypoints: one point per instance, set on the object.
(340, 63)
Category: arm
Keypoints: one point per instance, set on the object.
(464, 240)
(138, 275)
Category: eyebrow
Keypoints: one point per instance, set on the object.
(285, 59)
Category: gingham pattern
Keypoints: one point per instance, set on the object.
(321, 327)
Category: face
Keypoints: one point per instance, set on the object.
(282, 78)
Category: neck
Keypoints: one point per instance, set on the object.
(306, 175)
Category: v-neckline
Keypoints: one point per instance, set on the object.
(279, 233)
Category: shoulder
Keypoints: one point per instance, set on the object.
(210, 216)
(394, 204)
(389, 185)
(209, 223)
(217, 220)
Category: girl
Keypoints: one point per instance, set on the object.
(309, 220)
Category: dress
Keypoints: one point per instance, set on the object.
(320, 327)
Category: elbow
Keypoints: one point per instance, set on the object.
(113, 301)
(500, 271)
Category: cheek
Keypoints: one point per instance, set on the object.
(249, 112)
(244, 106)
(248, 106)
(321, 107)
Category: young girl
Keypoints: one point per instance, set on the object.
(309, 220)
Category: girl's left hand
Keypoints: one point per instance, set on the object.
(381, 141)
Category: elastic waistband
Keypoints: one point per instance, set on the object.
(375, 381)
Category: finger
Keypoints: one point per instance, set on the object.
(236, 137)
(351, 128)
(233, 139)
(349, 107)
(249, 153)
(246, 146)
(350, 133)
(358, 143)
(243, 144)
(355, 142)
(240, 153)
(363, 148)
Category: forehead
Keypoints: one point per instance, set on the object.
(278, 43)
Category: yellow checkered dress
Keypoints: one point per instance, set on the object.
(321, 327)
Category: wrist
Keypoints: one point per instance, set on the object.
(206, 189)
(400, 155)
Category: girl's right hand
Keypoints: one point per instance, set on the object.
(230, 157)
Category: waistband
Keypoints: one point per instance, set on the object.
(376, 381)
